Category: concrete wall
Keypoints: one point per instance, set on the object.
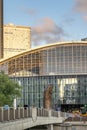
(1, 29)
(61, 127)
(71, 126)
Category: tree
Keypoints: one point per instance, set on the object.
(9, 89)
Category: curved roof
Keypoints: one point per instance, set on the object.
(42, 48)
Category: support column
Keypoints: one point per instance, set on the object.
(34, 114)
(50, 127)
(66, 126)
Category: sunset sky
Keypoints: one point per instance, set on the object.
(50, 20)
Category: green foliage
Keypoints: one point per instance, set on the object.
(9, 90)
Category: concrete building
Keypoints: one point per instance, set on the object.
(16, 39)
(62, 64)
(1, 29)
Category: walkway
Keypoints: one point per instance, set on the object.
(20, 119)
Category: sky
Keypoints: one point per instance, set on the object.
(50, 20)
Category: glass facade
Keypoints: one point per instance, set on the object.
(62, 65)
(66, 89)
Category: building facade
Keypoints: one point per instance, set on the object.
(1, 29)
(63, 64)
(16, 39)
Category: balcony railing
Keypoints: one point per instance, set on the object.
(21, 112)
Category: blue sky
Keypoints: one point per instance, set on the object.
(50, 20)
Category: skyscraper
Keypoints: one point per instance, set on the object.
(16, 39)
(1, 29)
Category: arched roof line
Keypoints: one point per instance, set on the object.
(48, 46)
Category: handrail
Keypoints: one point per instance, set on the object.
(28, 112)
(12, 114)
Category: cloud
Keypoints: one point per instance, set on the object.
(85, 17)
(47, 32)
(68, 21)
(80, 6)
(31, 11)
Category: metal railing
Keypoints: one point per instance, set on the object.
(21, 112)
(42, 112)
(12, 114)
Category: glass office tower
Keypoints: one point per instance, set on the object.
(64, 65)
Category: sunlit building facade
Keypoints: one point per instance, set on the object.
(63, 64)
(16, 39)
(1, 29)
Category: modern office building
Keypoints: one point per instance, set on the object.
(16, 39)
(62, 64)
